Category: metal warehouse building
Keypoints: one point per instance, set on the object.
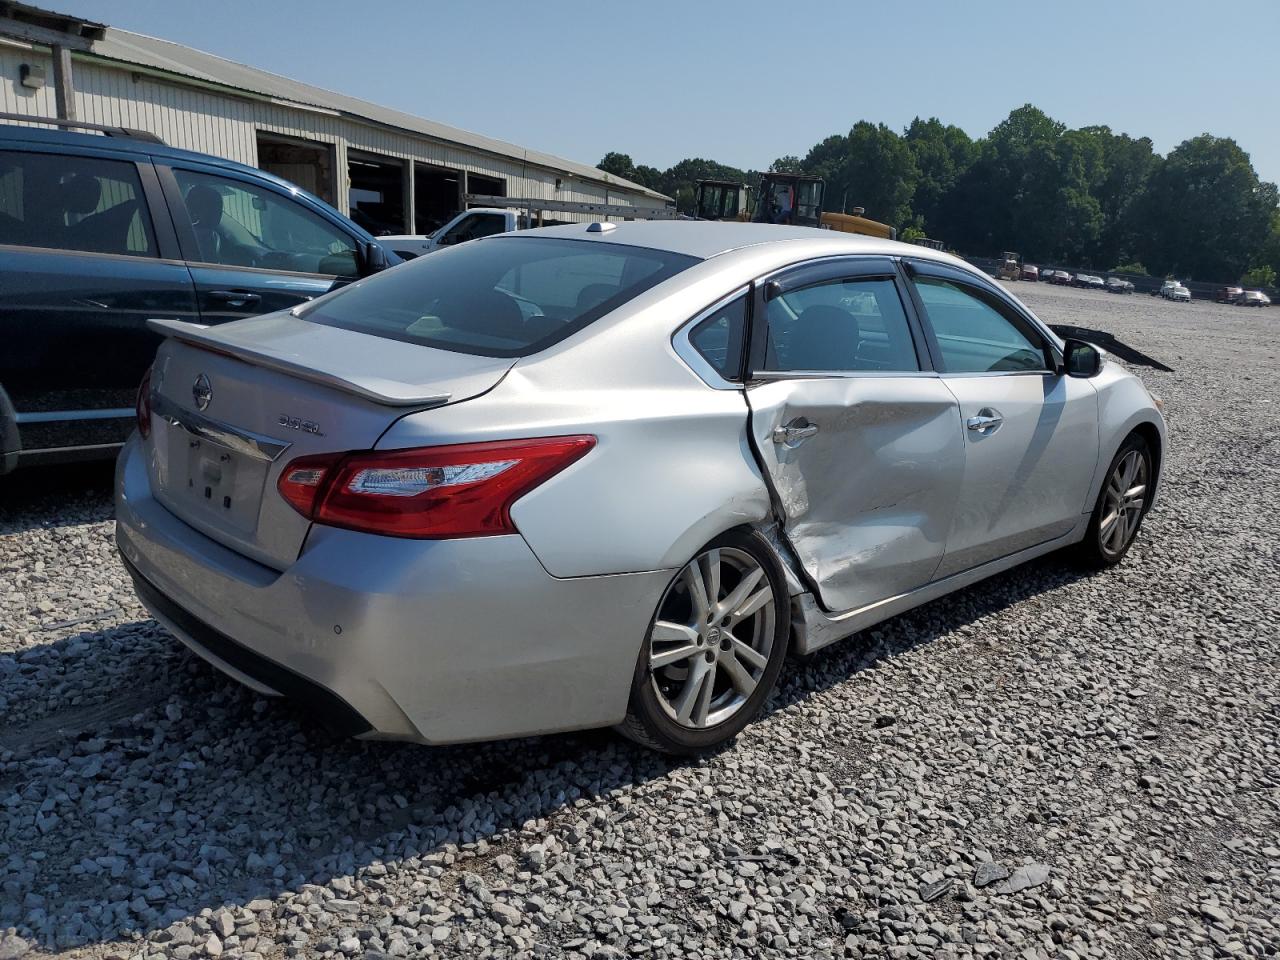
(391, 172)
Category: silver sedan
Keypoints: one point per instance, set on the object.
(609, 475)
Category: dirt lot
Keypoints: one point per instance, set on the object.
(1110, 740)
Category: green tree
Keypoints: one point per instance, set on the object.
(1260, 276)
(619, 164)
(942, 154)
(1126, 164)
(788, 164)
(871, 167)
(1204, 212)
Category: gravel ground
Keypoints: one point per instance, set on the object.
(1045, 765)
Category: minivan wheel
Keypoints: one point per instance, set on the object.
(715, 646)
(1122, 503)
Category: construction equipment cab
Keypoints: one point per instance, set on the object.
(790, 198)
(723, 200)
(1009, 267)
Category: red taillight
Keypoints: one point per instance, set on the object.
(463, 490)
(142, 405)
(303, 480)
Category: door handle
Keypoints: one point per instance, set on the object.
(234, 298)
(794, 433)
(986, 422)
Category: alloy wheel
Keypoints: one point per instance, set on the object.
(1125, 497)
(711, 640)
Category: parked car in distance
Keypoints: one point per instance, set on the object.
(1062, 277)
(1117, 285)
(1228, 295)
(1166, 288)
(102, 231)
(1180, 294)
(468, 225)
(1030, 273)
(1089, 281)
(401, 503)
(1254, 298)
(1046, 274)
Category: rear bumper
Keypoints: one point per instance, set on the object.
(247, 665)
(435, 641)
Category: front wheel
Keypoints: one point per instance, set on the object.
(715, 646)
(1121, 505)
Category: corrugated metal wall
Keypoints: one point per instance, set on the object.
(226, 125)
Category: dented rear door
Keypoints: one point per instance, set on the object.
(859, 443)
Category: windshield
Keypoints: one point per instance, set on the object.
(499, 297)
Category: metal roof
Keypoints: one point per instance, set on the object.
(112, 43)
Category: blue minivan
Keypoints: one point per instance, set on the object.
(100, 232)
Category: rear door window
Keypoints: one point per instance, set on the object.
(845, 325)
(500, 297)
(68, 202)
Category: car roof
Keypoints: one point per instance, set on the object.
(13, 133)
(709, 238)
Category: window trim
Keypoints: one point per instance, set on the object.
(186, 233)
(682, 342)
(1049, 344)
(824, 269)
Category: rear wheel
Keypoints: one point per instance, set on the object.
(1121, 505)
(714, 649)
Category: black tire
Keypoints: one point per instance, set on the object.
(1100, 548)
(649, 719)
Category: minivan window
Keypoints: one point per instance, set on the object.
(68, 202)
(238, 224)
(498, 297)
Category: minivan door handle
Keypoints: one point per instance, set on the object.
(235, 298)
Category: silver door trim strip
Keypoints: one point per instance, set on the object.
(54, 416)
(251, 444)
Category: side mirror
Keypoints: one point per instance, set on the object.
(1080, 359)
(373, 258)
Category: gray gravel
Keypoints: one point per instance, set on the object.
(1046, 765)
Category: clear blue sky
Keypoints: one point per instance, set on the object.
(745, 82)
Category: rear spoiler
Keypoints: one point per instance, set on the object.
(1109, 343)
(389, 393)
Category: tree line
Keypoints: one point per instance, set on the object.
(1087, 197)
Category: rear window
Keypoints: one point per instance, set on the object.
(502, 297)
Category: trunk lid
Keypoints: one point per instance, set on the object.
(233, 405)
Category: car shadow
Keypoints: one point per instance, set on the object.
(174, 789)
(55, 496)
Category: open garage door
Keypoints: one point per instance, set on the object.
(376, 192)
(486, 186)
(437, 197)
(305, 162)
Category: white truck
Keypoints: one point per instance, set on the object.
(492, 215)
